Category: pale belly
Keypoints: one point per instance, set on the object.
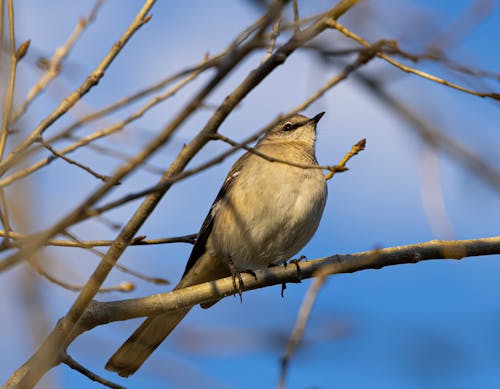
(271, 218)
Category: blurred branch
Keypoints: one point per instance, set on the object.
(98, 134)
(274, 34)
(92, 80)
(431, 194)
(9, 91)
(54, 65)
(300, 324)
(296, 18)
(470, 18)
(5, 219)
(124, 286)
(120, 155)
(433, 137)
(336, 25)
(15, 57)
(48, 355)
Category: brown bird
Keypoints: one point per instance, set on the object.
(264, 214)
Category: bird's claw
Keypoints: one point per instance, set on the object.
(236, 274)
(283, 287)
(296, 263)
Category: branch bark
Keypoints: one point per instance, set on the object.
(99, 313)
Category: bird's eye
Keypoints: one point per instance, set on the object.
(287, 127)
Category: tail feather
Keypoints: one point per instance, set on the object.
(153, 331)
(150, 334)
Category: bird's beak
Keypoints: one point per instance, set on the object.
(316, 118)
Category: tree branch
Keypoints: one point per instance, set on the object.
(91, 81)
(100, 313)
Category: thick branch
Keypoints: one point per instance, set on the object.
(102, 313)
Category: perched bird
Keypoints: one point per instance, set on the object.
(264, 214)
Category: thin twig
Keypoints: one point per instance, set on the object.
(207, 63)
(73, 162)
(392, 49)
(274, 35)
(123, 286)
(296, 18)
(335, 24)
(111, 152)
(98, 134)
(4, 217)
(9, 91)
(54, 64)
(137, 241)
(460, 152)
(355, 149)
(70, 362)
(47, 354)
(360, 145)
(118, 266)
(362, 59)
(88, 84)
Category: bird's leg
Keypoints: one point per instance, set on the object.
(296, 263)
(283, 285)
(235, 273)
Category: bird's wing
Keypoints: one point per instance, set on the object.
(206, 228)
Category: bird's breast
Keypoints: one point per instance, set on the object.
(270, 213)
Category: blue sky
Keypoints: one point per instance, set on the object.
(432, 325)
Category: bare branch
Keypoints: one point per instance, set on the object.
(73, 162)
(407, 69)
(136, 241)
(274, 34)
(70, 362)
(88, 84)
(5, 219)
(433, 137)
(99, 134)
(54, 64)
(9, 91)
(100, 313)
(296, 23)
(48, 354)
(118, 266)
(359, 146)
(124, 286)
(362, 59)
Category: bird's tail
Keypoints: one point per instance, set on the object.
(151, 333)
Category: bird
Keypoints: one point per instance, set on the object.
(268, 208)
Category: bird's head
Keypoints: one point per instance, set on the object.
(296, 128)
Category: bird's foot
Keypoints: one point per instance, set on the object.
(283, 287)
(236, 274)
(296, 263)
